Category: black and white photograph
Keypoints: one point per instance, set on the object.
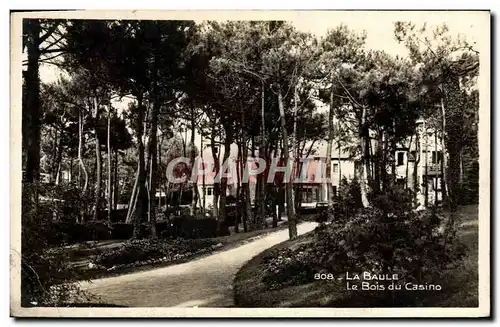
(250, 164)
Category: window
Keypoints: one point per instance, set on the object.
(209, 191)
(317, 194)
(437, 157)
(307, 195)
(335, 168)
(334, 190)
(437, 183)
(401, 158)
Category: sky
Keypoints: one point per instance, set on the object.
(378, 25)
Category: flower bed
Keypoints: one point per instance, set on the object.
(139, 253)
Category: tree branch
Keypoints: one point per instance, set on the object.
(49, 32)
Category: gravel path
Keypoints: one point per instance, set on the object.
(205, 282)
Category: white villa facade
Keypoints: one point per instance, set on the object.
(422, 151)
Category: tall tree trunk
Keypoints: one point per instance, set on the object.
(444, 166)
(437, 159)
(271, 187)
(58, 158)
(216, 193)
(203, 204)
(416, 188)
(426, 168)
(247, 212)
(195, 193)
(248, 216)
(295, 149)
(142, 200)
(453, 172)
(98, 182)
(393, 151)
(181, 195)
(340, 161)
(281, 201)
(55, 149)
(364, 138)
(133, 206)
(262, 154)
(384, 166)
(184, 143)
(152, 199)
(153, 163)
(261, 193)
(110, 195)
(223, 182)
(169, 195)
(159, 179)
(81, 164)
(292, 222)
(80, 154)
(58, 174)
(377, 163)
(370, 162)
(328, 185)
(253, 146)
(70, 175)
(281, 187)
(273, 190)
(31, 107)
(461, 160)
(133, 197)
(238, 190)
(116, 194)
(408, 161)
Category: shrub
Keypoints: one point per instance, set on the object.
(189, 227)
(390, 237)
(122, 231)
(139, 251)
(323, 214)
(222, 230)
(46, 274)
(286, 267)
(64, 232)
(119, 215)
(66, 202)
(348, 201)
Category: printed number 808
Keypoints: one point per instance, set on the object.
(319, 276)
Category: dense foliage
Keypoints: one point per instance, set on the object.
(131, 92)
(46, 274)
(391, 237)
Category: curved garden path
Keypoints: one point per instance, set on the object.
(204, 282)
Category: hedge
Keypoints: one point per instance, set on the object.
(178, 227)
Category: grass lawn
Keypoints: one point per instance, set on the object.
(459, 284)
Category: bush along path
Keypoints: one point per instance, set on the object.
(428, 267)
(203, 282)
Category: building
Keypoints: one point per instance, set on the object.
(424, 157)
(417, 163)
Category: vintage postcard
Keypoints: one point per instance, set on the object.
(250, 164)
